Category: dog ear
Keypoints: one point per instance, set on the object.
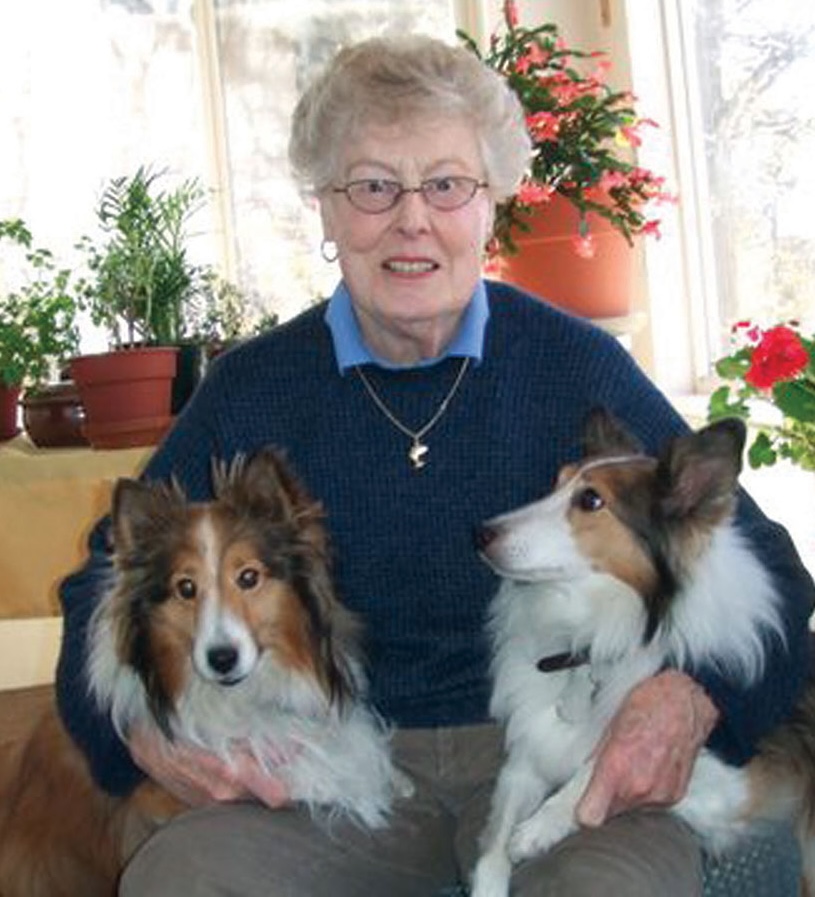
(139, 508)
(335, 630)
(699, 472)
(605, 435)
(263, 479)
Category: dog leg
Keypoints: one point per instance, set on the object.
(518, 790)
(552, 821)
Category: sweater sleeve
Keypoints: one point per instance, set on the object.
(748, 713)
(90, 727)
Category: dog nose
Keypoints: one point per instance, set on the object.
(483, 536)
(222, 659)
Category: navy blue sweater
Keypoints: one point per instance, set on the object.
(402, 538)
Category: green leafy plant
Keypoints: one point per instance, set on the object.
(582, 130)
(774, 368)
(38, 329)
(140, 273)
(221, 312)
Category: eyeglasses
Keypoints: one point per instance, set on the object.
(377, 195)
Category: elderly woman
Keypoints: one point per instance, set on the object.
(417, 402)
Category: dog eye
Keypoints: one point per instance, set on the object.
(185, 588)
(248, 578)
(589, 500)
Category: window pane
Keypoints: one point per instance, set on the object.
(94, 88)
(268, 50)
(756, 67)
(91, 91)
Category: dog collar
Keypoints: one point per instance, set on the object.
(554, 663)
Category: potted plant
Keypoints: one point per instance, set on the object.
(38, 330)
(140, 280)
(584, 196)
(218, 315)
(771, 372)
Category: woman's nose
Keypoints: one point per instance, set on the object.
(412, 211)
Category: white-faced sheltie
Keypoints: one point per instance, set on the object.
(220, 628)
(631, 565)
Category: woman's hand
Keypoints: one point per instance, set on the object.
(197, 777)
(647, 753)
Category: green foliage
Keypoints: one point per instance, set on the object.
(782, 362)
(37, 321)
(141, 276)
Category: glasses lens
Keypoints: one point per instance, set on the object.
(373, 194)
(449, 193)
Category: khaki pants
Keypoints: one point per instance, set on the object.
(245, 850)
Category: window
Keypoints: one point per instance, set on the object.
(94, 88)
(755, 65)
(731, 81)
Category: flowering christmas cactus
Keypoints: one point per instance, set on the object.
(775, 366)
(582, 132)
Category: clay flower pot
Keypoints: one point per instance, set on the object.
(126, 395)
(9, 398)
(53, 416)
(548, 265)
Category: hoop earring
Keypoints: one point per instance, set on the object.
(329, 251)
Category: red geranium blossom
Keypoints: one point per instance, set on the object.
(780, 355)
(776, 368)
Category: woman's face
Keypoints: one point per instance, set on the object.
(411, 270)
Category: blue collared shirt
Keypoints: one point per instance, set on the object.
(350, 349)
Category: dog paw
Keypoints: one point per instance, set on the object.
(402, 785)
(491, 877)
(530, 839)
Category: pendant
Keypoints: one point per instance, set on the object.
(417, 454)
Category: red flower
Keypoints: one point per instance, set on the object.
(534, 56)
(543, 125)
(585, 246)
(748, 331)
(780, 355)
(531, 193)
(511, 13)
(652, 228)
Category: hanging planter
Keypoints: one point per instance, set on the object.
(126, 395)
(591, 275)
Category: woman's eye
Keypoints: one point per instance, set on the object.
(248, 578)
(185, 588)
(589, 500)
(443, 185)
(376, 186)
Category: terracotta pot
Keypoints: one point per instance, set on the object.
(9, 399)
(126, 395)
(548, 266)
(53, 416)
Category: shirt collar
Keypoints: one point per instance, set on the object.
(350, 349)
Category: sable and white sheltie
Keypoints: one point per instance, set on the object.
(632, 564)
(220, 628)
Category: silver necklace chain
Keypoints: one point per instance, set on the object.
(417, 453)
